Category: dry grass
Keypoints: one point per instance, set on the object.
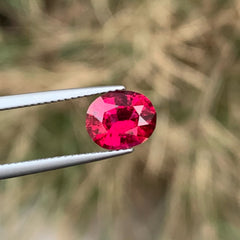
(184, 55)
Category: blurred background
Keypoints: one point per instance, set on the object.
(184, 182)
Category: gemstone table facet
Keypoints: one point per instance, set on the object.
(120, 120)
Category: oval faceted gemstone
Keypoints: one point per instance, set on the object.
(120, 119)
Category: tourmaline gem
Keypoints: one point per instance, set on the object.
(120, 119)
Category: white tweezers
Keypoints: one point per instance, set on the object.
(41, 165)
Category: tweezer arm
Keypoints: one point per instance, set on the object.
(31, 99)
(35, 166)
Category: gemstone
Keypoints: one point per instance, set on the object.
(120, 119)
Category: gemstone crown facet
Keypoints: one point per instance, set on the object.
(120, 120)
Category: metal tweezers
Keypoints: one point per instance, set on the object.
(41, 165)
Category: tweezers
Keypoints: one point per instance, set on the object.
(41, 165)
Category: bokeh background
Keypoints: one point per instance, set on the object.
(184, 182)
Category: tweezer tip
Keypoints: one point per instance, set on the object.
(109, 154)
(120, 152)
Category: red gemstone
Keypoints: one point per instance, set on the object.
(120, 119)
